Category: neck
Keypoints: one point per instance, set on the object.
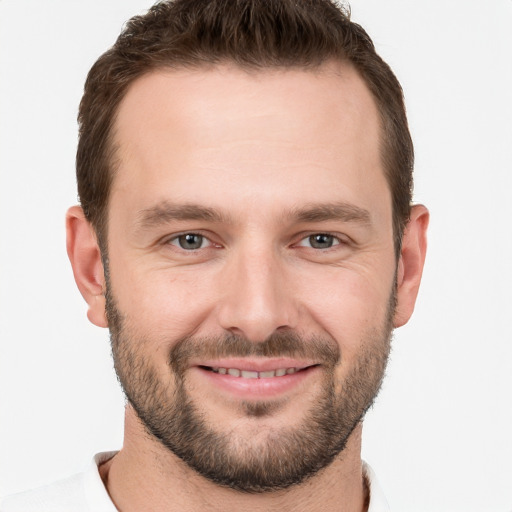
(144, 475)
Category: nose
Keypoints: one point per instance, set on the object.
(257, 297)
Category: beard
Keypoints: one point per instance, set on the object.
(267, 459)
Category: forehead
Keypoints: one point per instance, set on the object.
(293, 129)
(226, 95)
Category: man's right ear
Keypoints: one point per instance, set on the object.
(85, 257)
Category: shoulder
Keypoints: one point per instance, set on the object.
(64, 495)
(82, 492)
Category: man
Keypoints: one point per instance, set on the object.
(246, 233)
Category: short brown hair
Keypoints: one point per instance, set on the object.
(255, 34)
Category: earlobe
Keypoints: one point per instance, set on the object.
(410, 265)
(85, 257)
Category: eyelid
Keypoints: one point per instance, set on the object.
(338, 237)
(167, 240)
(176, 242)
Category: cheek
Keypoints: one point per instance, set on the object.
(355, 314)
(348, 305)
(161, 302)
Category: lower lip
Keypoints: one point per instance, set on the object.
(257, 388)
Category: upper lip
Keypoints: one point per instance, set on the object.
(256, 364)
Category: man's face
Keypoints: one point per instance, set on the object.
(251, 266)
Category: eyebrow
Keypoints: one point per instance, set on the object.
(339, 211)
(166, 212)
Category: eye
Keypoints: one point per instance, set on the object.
(319, 241)
(190, 241)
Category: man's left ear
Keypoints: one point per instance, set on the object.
(410, 264)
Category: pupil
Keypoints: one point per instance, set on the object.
(321, 241)
(191, 241)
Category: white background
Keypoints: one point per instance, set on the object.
(439, 436)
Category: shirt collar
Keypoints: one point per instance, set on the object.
(378, 501)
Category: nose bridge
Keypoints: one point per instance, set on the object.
(256, 299)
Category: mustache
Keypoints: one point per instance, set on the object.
(322, 350)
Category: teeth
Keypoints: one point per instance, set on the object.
(247, 374)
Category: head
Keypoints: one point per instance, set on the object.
(244, 170)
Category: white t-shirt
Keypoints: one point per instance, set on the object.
(85, 492)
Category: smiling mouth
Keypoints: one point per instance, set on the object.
(250, 374)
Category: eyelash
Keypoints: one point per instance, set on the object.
(177, 238)
(335, 240)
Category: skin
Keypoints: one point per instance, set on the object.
(255, 148)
